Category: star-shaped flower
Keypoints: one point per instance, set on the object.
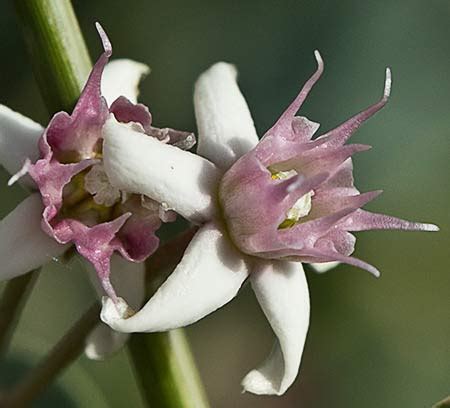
(263, 206)
(74, 202)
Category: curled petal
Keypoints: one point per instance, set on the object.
(96, 244)
(284, 125)
(24, 246)
(209, 276)
(126, 111)
(121, 77)
(362, 220)
(342, 133)
(330, 255)
(140, 164)
(282, 291)
(128, 279)
(225, 126)
(74, 137)
(19, 137)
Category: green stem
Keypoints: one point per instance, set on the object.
(163, 362)
(58, 52)
(61, 356)
(166, 370)
(12, 302)
(169, 379)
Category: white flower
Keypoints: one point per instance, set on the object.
(263, 206)
(24, 246)
(212, 269)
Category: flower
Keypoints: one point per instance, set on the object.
(64, 162)
(263, 206)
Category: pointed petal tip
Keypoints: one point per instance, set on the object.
(320, 64)
(369, 268)
(375, 272)
(387, 85)
(104, 37)
(22, 172)
(430, 227)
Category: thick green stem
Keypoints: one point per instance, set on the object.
(166, 370)
(58, 53)
(60, 357)
(163, 362)
(11, 304)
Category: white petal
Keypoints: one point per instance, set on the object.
(121, 78)
(24, 246)
(18, 139)
(225, 125)
(209, 276)
(103, 342)
(137, 163)
(128, 279)
(282, 292)
(324, 266)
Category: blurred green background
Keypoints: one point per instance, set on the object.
(372, 343)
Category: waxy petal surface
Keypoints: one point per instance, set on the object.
(19, 137)
(121, 77)
(209, 276)
(225, 126)
(24, 246)
(137, 163)
(282, 291)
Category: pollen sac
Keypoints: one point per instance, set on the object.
(292, 197)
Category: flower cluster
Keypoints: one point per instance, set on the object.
(107, 180)
(263, 206)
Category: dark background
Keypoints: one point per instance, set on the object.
(372, 343)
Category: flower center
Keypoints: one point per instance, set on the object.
(89, 198)
(302, 206)
(96, 182)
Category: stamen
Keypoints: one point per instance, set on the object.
(97, 183)
(300, 209)
(282, 175)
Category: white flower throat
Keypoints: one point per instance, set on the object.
(302, 206)
(97, 183)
